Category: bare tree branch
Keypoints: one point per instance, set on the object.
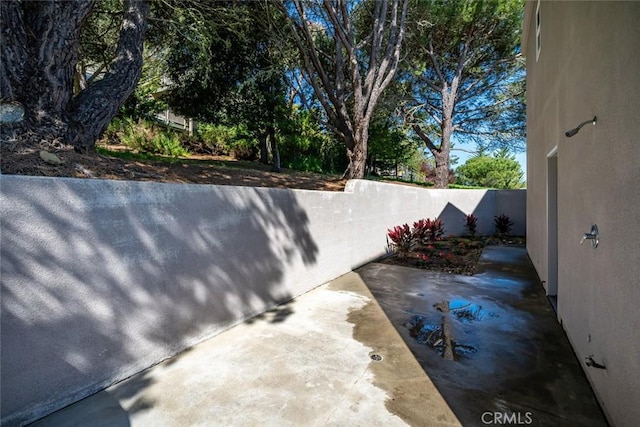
(424, 137)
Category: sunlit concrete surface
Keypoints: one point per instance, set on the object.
(308, 362)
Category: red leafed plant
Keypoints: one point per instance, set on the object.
(421, 231)
(402, 239)
(436, 229)
(428, 230)
(471, 224)
(503, 224)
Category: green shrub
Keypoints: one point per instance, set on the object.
(236, 141)
(146, 138)
(499, 171)
(216, 137)
(116, 128)
(306, 163)
(168, 144)
(244, 149)
(135, 135)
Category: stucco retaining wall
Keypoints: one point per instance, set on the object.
(102, 279)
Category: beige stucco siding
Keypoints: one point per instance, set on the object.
(589, 65)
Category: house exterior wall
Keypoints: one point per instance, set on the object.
(589, 65)
(102, 279)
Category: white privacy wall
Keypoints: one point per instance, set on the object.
(102, 279)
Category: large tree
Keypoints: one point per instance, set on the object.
(501, 170)
(350, 52)
(231, 71)
(39, 55)
(463, 75)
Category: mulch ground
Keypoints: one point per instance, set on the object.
(17, 159)
(455, 255)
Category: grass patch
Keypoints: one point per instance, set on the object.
(467, 187)
(423, 184)
(399, 180)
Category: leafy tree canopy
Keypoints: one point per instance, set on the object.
(498, 171)
(463, 75)
(209, 59)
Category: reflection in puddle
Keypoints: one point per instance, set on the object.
(440, 337)
(466, 311)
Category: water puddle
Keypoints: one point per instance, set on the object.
(440, 337)
(467, 312)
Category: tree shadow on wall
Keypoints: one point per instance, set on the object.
(100, 279)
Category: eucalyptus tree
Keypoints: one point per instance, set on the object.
(463, 75)
(350, 51)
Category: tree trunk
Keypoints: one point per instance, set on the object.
(94, 108)
(39, 53)
(442, 170)
(40, 44)
(264, 148)
(13, 50)
(357, 162)
(349, 98)
(442, 155)
(274, 149)
(357, 151)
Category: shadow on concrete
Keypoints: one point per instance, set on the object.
(490, 343)
(101, 279)
(275, 315)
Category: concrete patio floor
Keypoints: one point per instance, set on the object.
(309, 362)
(302, 364)
(511, 359)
